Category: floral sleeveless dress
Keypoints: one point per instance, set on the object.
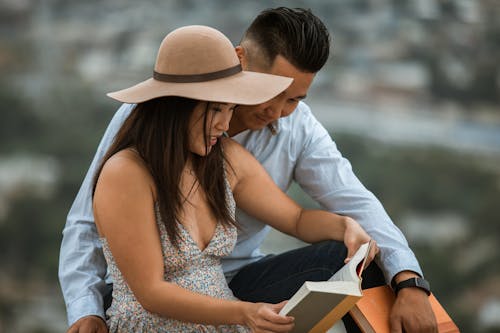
(188, 267)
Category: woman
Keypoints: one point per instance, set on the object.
(165, 195)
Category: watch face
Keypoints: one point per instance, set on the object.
(422, 283)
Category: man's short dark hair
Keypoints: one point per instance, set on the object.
(296, 34)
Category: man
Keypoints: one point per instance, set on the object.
(292, 145)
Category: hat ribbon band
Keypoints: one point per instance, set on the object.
(191, 78)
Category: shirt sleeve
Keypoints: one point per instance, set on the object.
(328, 178)
(82, 267)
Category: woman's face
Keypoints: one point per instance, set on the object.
(219, 114)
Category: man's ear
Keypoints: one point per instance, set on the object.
(240, 52)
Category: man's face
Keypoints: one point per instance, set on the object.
(256, 117)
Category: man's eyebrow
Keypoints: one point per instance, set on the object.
(301, 97)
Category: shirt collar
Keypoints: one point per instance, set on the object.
(274, 127)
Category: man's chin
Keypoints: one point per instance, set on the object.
(257, 126)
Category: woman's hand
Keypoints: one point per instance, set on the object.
(354, 237)
(264, 318)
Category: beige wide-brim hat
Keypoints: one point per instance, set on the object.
(200, 62)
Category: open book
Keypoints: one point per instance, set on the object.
(316, 306)
(371, 313)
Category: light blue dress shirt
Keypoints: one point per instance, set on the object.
(301, 151)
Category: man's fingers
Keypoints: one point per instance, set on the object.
(373, 252)
(89, 324)
(350, 253)
(74, 328)
(103, 330)
(396, 325)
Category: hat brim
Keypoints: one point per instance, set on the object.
(245, 88)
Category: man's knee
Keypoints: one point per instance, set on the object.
(329, 254)
(284, 273)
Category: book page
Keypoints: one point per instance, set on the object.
(296, 298)
(348, 272)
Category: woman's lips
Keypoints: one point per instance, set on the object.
(213, 140)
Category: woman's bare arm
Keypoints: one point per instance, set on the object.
(257, 194)
(124, 213)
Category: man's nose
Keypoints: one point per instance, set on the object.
(275, 107)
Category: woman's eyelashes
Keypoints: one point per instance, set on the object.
(216, 107)
(220, 108)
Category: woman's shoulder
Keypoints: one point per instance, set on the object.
(124, 170)
(241, 161)
(234, 151)
(125, 161)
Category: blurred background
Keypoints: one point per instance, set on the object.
(410, 94)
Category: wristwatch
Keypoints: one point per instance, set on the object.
(416, 282)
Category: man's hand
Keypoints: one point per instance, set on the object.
(354, 237)
(412, 311)
(89, 324)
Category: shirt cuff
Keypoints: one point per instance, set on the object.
(398, 262)
(84, 306)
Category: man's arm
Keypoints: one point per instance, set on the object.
(328, 178)
(82, 267)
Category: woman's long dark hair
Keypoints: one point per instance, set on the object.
(158, 130)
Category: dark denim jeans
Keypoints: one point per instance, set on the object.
(275, 278)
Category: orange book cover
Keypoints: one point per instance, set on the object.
(316, 306)
(371, 312)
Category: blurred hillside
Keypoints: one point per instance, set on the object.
(411, 95)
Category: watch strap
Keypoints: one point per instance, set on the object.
(415, 282)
